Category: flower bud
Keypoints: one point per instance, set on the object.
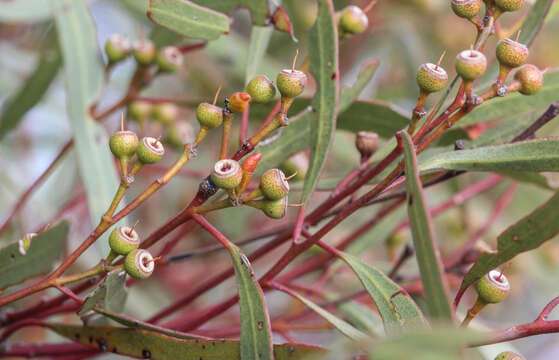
(493, 287)
(144, 52)
(123, 240)
(530, 78)
(273, 184)
(470, 64)
(238, 102)
(508, 5)
(150, 150)
(209, 116)
(165, 113)
(466, 9)
(123, 143)
(139, 110)
(274, 209)
(297, 165)
(261, 89)
(508, 355)
(431, 78)
(227, 174)
(117, 48)
(366, 143)
(139, 264)
(353, 20)
(179, 134)
(291, 83)
(169, 59)
(511, 53)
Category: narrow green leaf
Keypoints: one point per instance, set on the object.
(350, 93)
(259, 40)
(259, 9)
(145, 344)
(188, 19)
(527, 234)
(256, 331)
(515, 103)
(35, 85)
(110, 294)
(531, 155)
(427, 252)
(14, 11)
(323, 43)
(534, 21)
(344, 327)
(84, 73)
(18, 264)
(362, 318)
(397, 309)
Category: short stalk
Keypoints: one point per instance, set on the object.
(227, 123)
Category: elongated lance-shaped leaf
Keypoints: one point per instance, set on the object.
(110, 294)
(188, 19)
(350, 93)
(144, 344)
(35, 86)
(20, 261)
(531, 155)
(534, 21)
(426, 249)
(399, 312)
(260, 10)
(527, 234)
(323, 54)
(259, 40)
(84, 73)
(343, 326)
(14, 11)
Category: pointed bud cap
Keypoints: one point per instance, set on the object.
(238, 102)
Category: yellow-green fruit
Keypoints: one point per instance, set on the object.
(139, 264)
(123, 143)
(273, 184)
(123, 240)
(169, 59)
(466, 8)
(530, 78)
(227, 174)
(261, 89)
(291, 83)
(150, 150)
(470, 64)
(179, 134)
(508, 355)
(431, 78)
(353, 20)
(296, 165)
(144, 52)
(511, 53)
(493, 288)
(165, 113)
(509, 5)
(238, 102)
(209, 116)
(139, 110)
(274, 209)
(117, 48)
(306, 12)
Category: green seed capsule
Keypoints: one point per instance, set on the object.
(123, 240)
(261, 89)
(493, 287)
(511, 53)
(117, 48)
(139, 110)
(273, 184)
(144, 52)
(209, 116)
(275, 209)
(227, 174)
(169, 59)
(508, 355)
(466, 9)
(431, 78)
(291, 83)
(530, 78)
(139, 264)
(123, 143)
(509, 5)
(353, 20)
(470, 64)
(296, 165)
(150, 150)
(165, 113)
(179, 134)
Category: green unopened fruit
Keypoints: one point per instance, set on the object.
(273, 184)
(431, 78)
(169, 59)
(139, 264)
(306, 12)
(470, 64)
(150, 150)
(511, 53)
(261, 89)
(227, 174)
(117, 48)
(139, 110)
(238, 102)
(466, 8)
(123, 240)
(275, 209)
(209, 116)
(509, 5)
(291, 83)
(508, 355)
(123, 143)
(530, 78)
(144, 52)
(353, 20)
(165, 113)
(493, 288)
